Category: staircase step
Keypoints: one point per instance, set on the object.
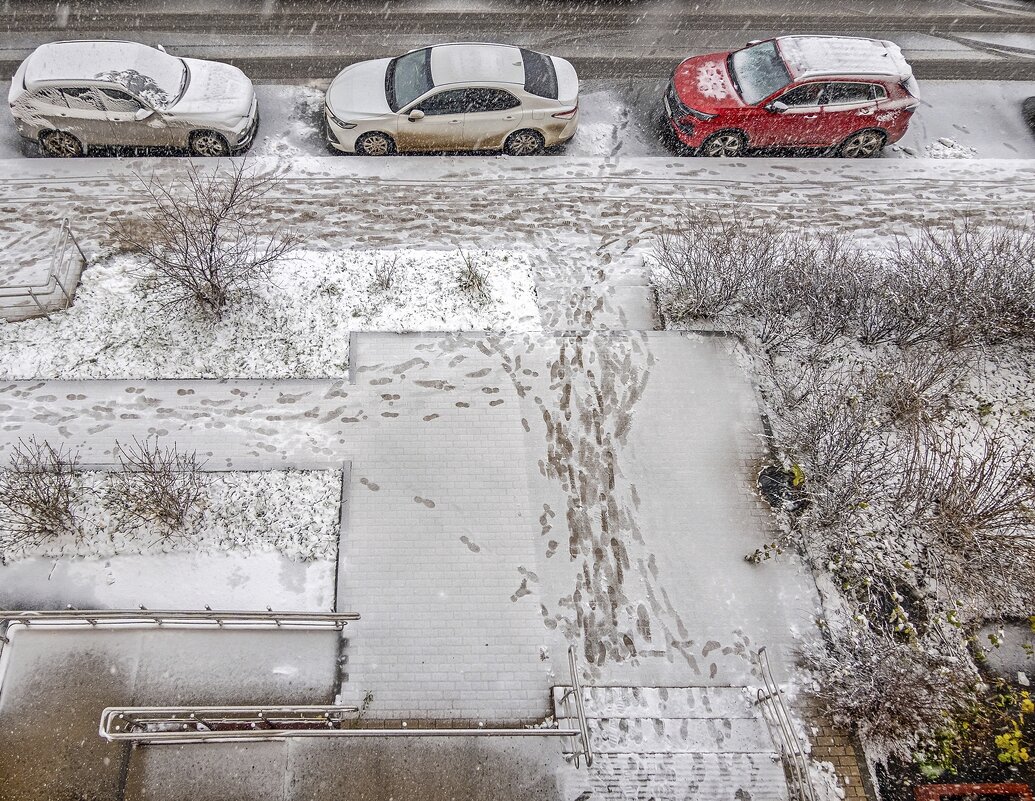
(661, 702)
(676, 735)
(679, 777)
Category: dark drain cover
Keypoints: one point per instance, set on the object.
(777, 487)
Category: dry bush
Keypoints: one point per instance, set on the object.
(206, 239)
(970, 283)
(385, 273)
(831, 427)
(702, 262)
(915, 382)
(36, 495)
(889, 690)
(973, 501)
(472, 280)
(155, 485)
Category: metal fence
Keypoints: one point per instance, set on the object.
(58, 274)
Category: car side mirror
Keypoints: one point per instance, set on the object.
(777, 107)
(142, 114)
(159, 47)
(753, 42)
(415, 115)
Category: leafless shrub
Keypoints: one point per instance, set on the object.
(36, 495)
(156, 485)
(888, 690)
(385, 273)
(970, 283)
(832, 429)
(915, 382)
(702, 262)
(472, 280)
(206, 239)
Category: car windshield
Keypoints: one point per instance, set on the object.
(408, 77)
(758, 71)
(160, 82)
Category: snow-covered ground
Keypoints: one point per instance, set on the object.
(296, 326)
(621, 118)
(260, 539)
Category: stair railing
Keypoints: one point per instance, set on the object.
(580, 711)
(790, 744)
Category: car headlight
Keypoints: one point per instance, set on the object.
(699, 115)
(338, 122)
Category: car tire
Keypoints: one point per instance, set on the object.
(724, 144)
(61, 144)
(525, 142)
(375, 143)
(208, 144)
(865, 144)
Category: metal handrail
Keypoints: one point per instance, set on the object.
(790, 743)
(145, 725)
(580, 710)
(178, 617)
(59, 267)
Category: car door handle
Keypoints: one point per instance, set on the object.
(455, 122)
(810, 116)
(511, 117)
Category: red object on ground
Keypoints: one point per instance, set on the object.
(793, 91)
(936, 792)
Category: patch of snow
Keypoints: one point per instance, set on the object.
(711, 82)
(296, 326)
(294, 513)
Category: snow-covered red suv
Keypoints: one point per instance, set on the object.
(851, 95)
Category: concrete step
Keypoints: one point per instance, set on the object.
(676, 735)
(679, 777)
(661, 702)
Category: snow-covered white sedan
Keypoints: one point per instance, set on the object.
(466, 96)
(71, 96)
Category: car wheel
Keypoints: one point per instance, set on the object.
(862, 145)
(375, 144)
(208, 144)
(58, 144)
(524, 143)
(725, 144)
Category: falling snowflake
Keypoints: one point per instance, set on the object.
(711, 82)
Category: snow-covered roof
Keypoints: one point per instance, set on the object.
(476, 63)
(102, 60)
(814, 56)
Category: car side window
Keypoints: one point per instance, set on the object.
(452, 101)
(843, 94)
(490, 100)
(804, 95)
(48, 97)
(117, 100)
(82, 99)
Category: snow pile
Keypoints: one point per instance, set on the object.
(945, 148)
(295, 327)
(294, 513)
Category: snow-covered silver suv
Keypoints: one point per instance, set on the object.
(70, 96)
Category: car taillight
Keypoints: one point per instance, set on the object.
(567, 115)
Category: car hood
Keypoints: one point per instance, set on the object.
(215, 91)
(359, 89)
(703, 83)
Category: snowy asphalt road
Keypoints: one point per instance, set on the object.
(944, 39)
(621, 118)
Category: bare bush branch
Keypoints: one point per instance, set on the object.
(206, 240)
(156, 485)
(915, 383)
(889, 690)
(36, 495)
(472, 280)
(386, 271)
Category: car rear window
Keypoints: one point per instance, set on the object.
(540, 76)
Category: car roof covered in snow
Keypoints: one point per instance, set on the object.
(475, 62)
(816, 56)
(86, 60)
